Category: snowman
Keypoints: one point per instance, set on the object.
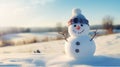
(79, 45)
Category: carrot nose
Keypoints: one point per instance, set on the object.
(78, 27)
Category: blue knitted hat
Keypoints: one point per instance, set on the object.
(77, 17)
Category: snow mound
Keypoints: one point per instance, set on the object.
(109, 45)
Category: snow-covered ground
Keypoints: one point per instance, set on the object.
(53, 55)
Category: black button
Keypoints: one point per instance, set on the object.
(77, 43)
(77, 50)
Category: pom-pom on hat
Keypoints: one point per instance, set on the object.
(77, 17)
(76, 11)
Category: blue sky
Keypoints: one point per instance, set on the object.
(47, 13)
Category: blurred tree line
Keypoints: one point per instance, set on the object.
(108, 24)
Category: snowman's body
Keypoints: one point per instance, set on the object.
(79, 45)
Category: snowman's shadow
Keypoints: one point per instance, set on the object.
(97, 61)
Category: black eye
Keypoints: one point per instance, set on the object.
(74, 25)
(81, 24)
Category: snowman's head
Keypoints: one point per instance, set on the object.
(78, 25)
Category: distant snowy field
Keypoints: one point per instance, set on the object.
(52, 54)
(27, 38)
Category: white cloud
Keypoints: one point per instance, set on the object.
(19, 12)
